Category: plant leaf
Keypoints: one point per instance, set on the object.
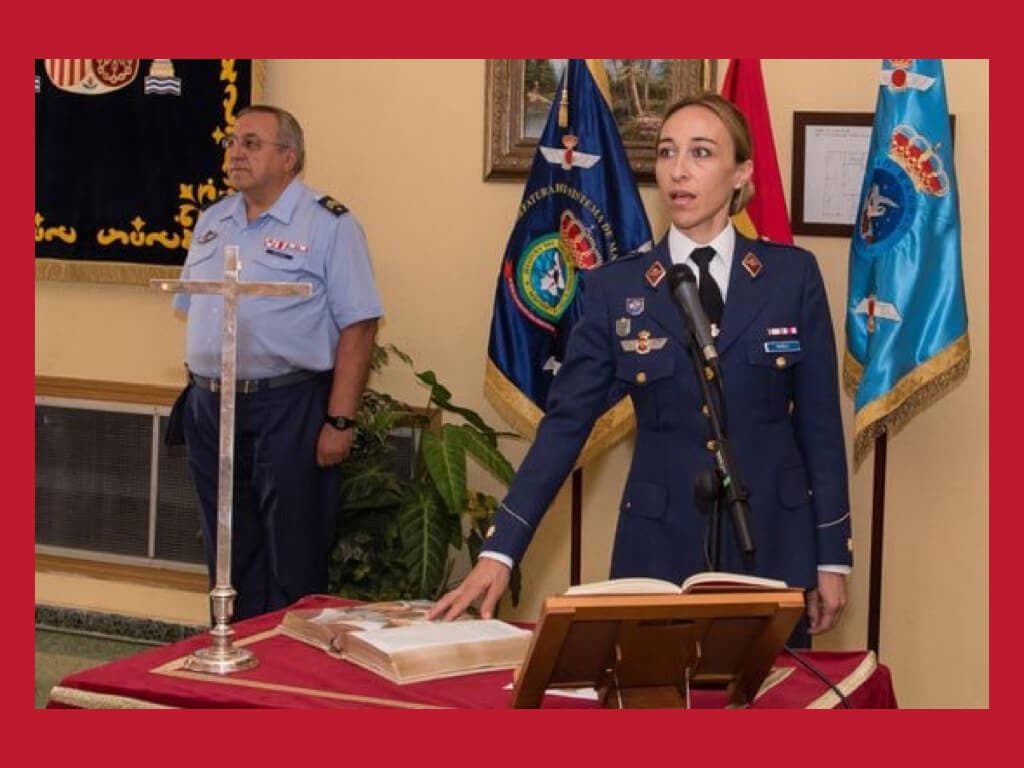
(442, 398)
(399, 354)
(445, 459)
(380, 356)
(474, 543)
(368, 483)
(515, 584)
(423, 526)
(484, 451)
(455, 532)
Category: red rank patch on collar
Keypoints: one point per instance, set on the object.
(655, 274)
(752, 264)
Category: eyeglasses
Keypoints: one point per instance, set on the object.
(250, 142)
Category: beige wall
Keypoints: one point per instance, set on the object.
(400, 143)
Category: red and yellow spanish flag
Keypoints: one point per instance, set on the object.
(765, 215)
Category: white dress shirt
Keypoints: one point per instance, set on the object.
(680, 247)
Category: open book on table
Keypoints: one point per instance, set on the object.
(325, 627)
(395, 640)
(707, 581)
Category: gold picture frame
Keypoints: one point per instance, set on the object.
(641, 89)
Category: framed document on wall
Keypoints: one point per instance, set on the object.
(830, 150)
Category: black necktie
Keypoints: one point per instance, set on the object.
(710, 295)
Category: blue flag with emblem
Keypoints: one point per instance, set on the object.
(906, 321)
(580, 209)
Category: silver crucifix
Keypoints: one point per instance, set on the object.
(222, 657)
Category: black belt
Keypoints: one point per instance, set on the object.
(248, 386)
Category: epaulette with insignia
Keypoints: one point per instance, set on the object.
(764, 241)
(332, 205)
(626, 257)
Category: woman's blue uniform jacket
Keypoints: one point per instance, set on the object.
(783, 419)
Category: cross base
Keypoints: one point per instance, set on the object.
(221, 661)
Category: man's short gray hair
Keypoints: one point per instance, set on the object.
(288, 130)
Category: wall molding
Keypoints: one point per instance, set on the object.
(149, 576)
(106, 391)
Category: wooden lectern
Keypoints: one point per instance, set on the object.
(646, 651)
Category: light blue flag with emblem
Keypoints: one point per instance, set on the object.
(580, 209)
(906, 321)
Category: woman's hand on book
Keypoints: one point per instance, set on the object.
(488, 578)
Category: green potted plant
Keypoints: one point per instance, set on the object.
(396, 528)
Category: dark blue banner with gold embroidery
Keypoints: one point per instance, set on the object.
(580, 209)
(127, 153)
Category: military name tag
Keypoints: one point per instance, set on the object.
(774, 347)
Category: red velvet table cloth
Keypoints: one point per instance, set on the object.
(293, 675)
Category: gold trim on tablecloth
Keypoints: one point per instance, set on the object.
(848, 684)
(173, 668)
(73, 697)
(776, 676)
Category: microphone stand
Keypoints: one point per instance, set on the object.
(727, 483)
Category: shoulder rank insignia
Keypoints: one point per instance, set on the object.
(752, 264)
(332, 205)
(207, 236)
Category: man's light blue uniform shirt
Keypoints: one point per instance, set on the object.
(297, 240)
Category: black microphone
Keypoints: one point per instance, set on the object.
(683, 285)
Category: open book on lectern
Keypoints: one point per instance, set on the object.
(644, 643)
(706, 581)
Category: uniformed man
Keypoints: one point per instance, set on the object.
(302, 362)
(769, 312)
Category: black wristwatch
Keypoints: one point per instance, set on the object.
(340, 422)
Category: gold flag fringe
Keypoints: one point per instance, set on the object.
(853, 372)
(600, 75)
(523, 416)
(912, 394)
(65, 270)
